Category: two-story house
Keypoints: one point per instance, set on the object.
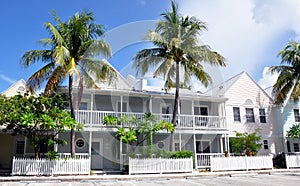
(249, 107)
(201, 123)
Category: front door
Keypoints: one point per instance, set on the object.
(97, 154)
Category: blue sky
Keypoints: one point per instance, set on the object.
(248, 33)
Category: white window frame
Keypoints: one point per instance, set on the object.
(15, 145)
(201, 106)
(262, 115)
(266, 144)
(84, 143)
(253, 115)
(295, 115)
(238, 121)
(88, 103)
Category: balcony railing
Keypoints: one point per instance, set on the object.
(95, 118)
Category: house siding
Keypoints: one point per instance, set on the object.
(245, 93)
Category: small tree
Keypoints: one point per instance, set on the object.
(245, 143)
(40, 119)
(142, 130)
(294, 131)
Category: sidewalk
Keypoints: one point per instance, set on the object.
(195, 174)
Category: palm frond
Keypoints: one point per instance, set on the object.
(36, 80)
(32, 56)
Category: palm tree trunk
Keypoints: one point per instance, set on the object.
(80, 92)
(175, 110)
(72, 134)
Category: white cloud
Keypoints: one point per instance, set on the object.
(267, 79)
(244, 31)
(6, 78)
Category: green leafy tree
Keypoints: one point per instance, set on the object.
(245, 143)
(294, 131)
(288, 81)
(176, 47)
(141, 130)
(40, 119)
(72, 48)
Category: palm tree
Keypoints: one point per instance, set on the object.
(288, 82)
(72, 47)
(176, 46)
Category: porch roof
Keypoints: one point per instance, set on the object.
(184, 95)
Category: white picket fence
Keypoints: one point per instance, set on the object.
(241, 163)
(292, 161)
(61, 166)
(160, 165)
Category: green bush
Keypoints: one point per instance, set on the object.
(182, 154)
(111, 120)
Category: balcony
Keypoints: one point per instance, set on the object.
(184, 122)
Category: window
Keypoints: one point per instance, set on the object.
(266, 146)
(80, 143)
(20, 145)
(124, 107)
(249, 115)
(161, 144)
(262, 116)
(296, 147)
(83, 106)
(296, 114)
(288, 146)
(202, 147)
(199, 119)
(201, 111)
(236, 114)
(166, 109)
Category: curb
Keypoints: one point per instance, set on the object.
(195, 175)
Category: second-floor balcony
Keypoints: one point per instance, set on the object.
(188, 122)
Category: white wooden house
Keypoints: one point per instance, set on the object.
(249, 107)
(201, 124)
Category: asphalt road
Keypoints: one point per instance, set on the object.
(280, 179)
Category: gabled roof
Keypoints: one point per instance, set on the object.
(221, 89)
(16, 88)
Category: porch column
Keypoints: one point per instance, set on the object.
(227, 143)
(121, 152)
(180, 140)
(92, 101)
(150, 104)
(90, 143)
(55, 145)
(195, 151)
(221, 144)
(121, 104)
(92, 108)
(193, 113)
(25, 145)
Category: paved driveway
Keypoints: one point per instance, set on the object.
(286, 179)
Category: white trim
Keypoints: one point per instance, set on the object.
(84, 143)
(15, 145)
(162, 143)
